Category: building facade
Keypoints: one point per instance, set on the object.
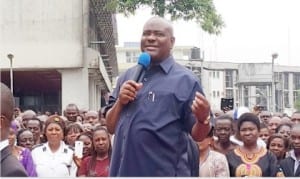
(249, 84)
(63, 52)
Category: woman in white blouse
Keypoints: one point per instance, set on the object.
(54, 158)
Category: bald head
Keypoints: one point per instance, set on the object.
(163, 22)
(7, 102)
(273, 123)
(7, 110)
(157, 39)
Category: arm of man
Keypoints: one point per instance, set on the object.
(201, 110)
(127, 94)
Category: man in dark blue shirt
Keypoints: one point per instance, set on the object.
(151, 119)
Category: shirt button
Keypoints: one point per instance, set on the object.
(145, 79)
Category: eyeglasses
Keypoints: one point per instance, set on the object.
(265, 116)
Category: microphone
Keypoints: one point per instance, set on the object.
(143, 63)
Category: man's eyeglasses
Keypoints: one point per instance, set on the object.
(266, 116)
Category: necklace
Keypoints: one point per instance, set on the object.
(250, 156)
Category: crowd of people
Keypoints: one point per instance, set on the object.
(161, 126)
(44, 144)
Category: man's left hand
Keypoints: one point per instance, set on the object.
(200, 107)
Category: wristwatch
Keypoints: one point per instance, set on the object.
(206, 121)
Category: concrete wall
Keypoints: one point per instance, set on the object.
(255, 72)
(42, 34)
(217, 85)
(75, 87)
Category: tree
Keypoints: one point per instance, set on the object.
(202, 11)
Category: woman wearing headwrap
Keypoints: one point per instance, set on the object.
(54, 158)
(22, 154)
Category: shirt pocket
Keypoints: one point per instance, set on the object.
(162, 102)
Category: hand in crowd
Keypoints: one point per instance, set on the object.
(200, 107)
(256, 110)
(77, 160)
(226, 109)
(129, 91)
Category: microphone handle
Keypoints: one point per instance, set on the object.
(141, 76)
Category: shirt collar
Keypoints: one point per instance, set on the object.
(3, 144)
(166, 64)
(293, 155)
(60, 150)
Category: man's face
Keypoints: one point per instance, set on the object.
(16, 112)
(264, 134)
(34, 127)
(27, 116)
(296, 118)
(265, 116)
(223, 130)
(273, 124)
(295, 138)
(91, 117)
(157, 39)
(71, 114)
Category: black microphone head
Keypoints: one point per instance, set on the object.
(144, 60)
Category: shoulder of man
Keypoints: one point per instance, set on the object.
(12, 167)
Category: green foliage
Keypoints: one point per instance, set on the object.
(202, 11)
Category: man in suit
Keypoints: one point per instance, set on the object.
(291, 165)
(10, 166)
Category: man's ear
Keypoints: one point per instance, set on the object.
(1, 121)
(172, 42)
(4, 123)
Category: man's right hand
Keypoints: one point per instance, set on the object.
(129, 91)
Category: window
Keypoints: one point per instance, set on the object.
(214, 74)
(261, 93)
(246, 96)
(218, 94)
(229, 93)
(296, 81)
(286, 99)
(127, 57)
(186, 52)
(228, 79)
(214, 94)
(296, 95)
(286, 81)
(132, 57)
(217, 74)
